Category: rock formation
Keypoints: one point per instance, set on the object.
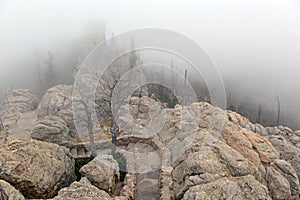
(102, 172)
(195, 152)
(9, 192)
(51, 129)
(37, 169)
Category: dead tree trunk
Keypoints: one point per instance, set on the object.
(184, 96)
(228, 101)
(91, 134)
(278, 115)
(259, 114)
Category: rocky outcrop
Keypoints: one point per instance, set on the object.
(17, 113)
(102, 172)
(35, 168)
(291, 136)
(82, 190)
(9, 192)
(287, 151)
(191, 152)
(225, 151)
(278, 185)
(51, 129)
(246, 187)
(19, 101)
(287, 171)
(57, 101)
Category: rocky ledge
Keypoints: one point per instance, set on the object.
(192, 152)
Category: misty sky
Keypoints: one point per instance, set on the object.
(254, 43)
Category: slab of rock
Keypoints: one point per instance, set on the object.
(82, 190)
(297, 133)
(278, 185)
(237, 119)
(37, 169)
(236, 139)
(51, 129)
(57, 101)
(287, 151)
(289, 173)
(279, 130)
(266, 151)
(17, 113)
(102, 172)
(229, 188)
(9, 192)
(257, 128)
(20, 101)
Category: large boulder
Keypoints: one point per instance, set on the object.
(20, 101)
(292, 137)
(18, 110)
(245, 187)
(278, 185)
(37, 169)
(9, 192)
(57, 101)
(289, 173)
(82, 190)
(51, 129)
(102, 172)
(287, 151)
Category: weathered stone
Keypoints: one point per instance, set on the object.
(9, 192)
(297, 133)
(279, 130)
(260, 130)
(19, 101)
(82, 190)
(278, 185)
(38, 169)
(235, 162)
(245, 187)
(295, 139)
(237, 119)
(252, 188)
(236, 139)
(266, 151)
(289, 173)
(288, 152)
(57, 101)
(51, 129)
(102, 172)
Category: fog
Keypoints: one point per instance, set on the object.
(255, 44)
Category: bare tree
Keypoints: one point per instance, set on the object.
(85, 103)
(228, 101)
(172, 76)
(184, 96)
(278, 114)
(259, 114)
